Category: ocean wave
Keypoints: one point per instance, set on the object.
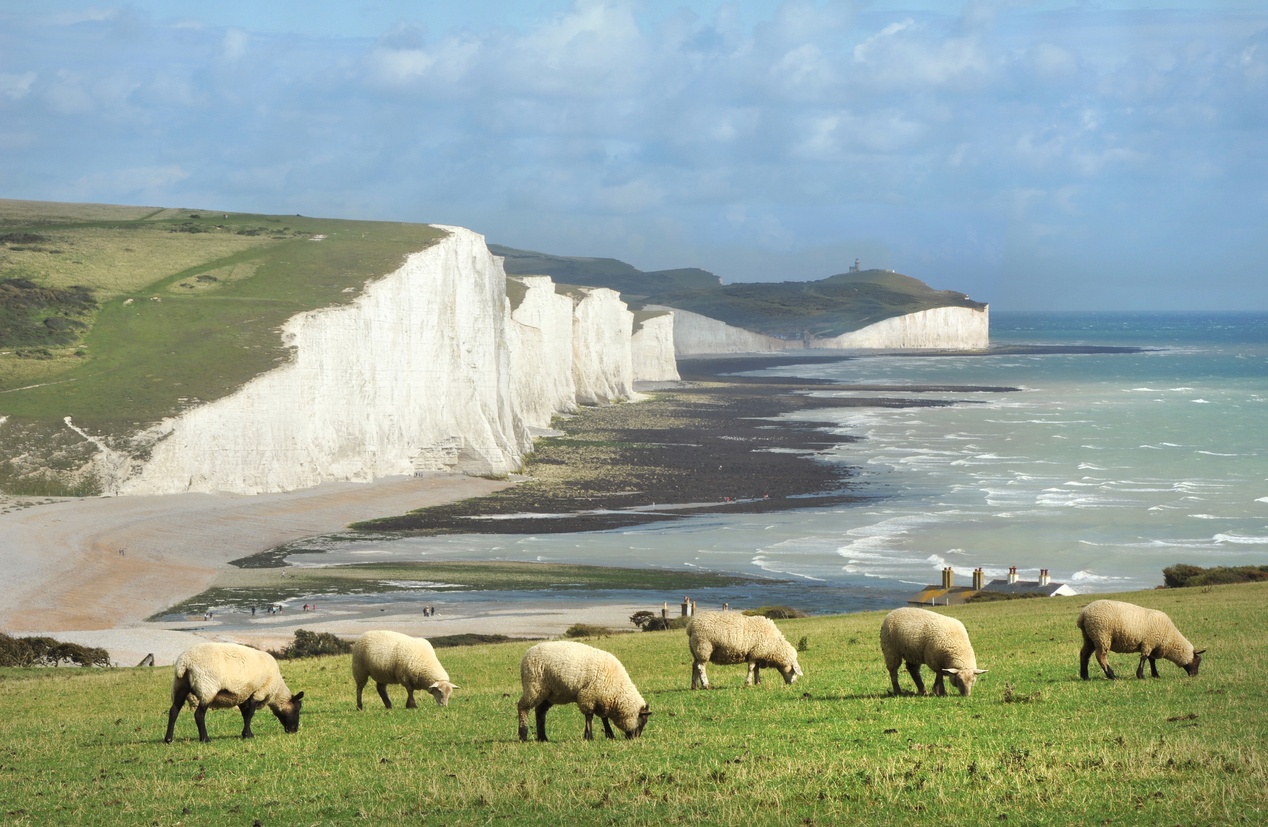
(1240, 539)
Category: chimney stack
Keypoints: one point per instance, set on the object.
(948, 578)
(979, 579)
(1012, 574)
(1044, 579)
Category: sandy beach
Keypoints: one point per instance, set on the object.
(91, 570)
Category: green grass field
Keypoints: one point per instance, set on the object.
(1033, 745)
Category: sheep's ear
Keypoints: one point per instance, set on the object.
(980, 671)
(298, 697)
(1200, 652)
(950, 670)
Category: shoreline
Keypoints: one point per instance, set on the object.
(102, 566)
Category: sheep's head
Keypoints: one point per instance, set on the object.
(1192, 666)
(790, 672)
(962, 679)
(632, 725)
(288, 712)
(441, 690)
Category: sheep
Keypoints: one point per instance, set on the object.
(390, 657)
(564, 672)
(1115, 626)
(924, 638)
(730, 637)
(221, 675)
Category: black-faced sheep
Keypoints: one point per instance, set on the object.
(730, 637)
(565, 672)
(391, 657)
(1115, 626)
(924, 638)
(221, 675)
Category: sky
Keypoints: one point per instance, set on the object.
(1045, 155)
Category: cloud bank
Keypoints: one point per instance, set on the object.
(1033, 156)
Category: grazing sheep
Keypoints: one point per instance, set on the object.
(1115, 626)
(221, 675)
(390, 657)
(924, 638)
(564, 672)
(730, 637)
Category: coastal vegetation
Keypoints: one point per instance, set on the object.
(1034, 744)
(1184, 574)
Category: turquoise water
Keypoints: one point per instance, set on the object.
(1103, 468)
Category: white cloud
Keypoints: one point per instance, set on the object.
(16, 87)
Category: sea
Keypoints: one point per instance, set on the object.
(1101, 467)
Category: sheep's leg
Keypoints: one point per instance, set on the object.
(200, 718)
(699, 680)
(914, 670)
(757, 674)
(751, 677)
(541, 719)
(382, 687)
(893, 679)
(1085, 655)
(607, 728)
(360, 686)
(939, 687)
(1140, 669)
(248, 711)
(589, 732)
(1153, 665)
(179, 696)
(1104, 662)
(523, 716)
(409, 700)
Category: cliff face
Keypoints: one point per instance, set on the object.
(696, 335)
(429, 369)
(950, 328)
(652, 349)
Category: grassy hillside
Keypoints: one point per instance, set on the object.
(821, 309)
(120, 316)
(1033, 745)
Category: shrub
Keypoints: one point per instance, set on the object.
(312, 645)
(653, 622)
(776, 612)
(45, 651)
(1183, 574)
(587, 630)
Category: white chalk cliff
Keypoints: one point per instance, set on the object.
(941, 328)
(429, 369)
(448, 365)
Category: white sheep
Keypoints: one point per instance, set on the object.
(564, 672)
(731, 637)
(924, 638)
(391, 657)
(1115, 626)
(221, 675)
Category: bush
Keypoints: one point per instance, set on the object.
(1183, 574)
(45, 651)
(313, 645)
(653, 622)
(587, 630)
(776, 612)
